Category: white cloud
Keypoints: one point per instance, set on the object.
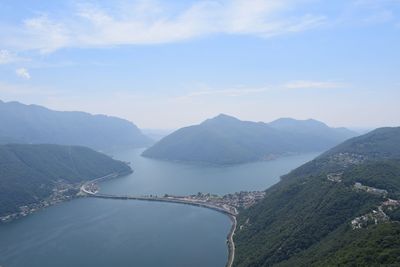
(23, 73)
(45, 34)
(303, 84)
(7, 57)
(152, 22)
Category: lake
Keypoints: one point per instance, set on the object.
(101, 232)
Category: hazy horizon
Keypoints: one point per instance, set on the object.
(166, 131)
(165, 65)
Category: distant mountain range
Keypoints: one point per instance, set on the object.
(156, 134)
(32, 124)
(30, 174)
(341, 209)
(227, 140)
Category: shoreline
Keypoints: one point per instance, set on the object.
(54, 200)
(231, 243)
(229, 211)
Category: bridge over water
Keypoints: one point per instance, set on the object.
(231, 212)
(179, 200)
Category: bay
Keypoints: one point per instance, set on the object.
(100, 232)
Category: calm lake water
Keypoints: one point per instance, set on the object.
(99, 232)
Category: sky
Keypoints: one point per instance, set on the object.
(169, 64)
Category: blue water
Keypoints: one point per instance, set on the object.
(99, 232)
(161, 177)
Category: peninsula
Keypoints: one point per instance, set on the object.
(33, 177)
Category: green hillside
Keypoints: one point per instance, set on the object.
(318, 216)
(30, 173)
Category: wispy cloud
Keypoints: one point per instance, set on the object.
(7, 57)
(240, 91)
(303, 84)
(23, 73)
(152, 22)
(229, 92)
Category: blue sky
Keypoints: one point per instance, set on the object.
(167, 64)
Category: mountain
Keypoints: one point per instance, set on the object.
(32, 173)
(227, 140)
(313, 128)
(32, 124)
(341, 209)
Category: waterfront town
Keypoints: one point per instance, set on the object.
(61, 192)
(229, 202)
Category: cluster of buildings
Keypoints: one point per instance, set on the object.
(374, 217)
(91, 188)
(391, 203)
(372, 190)
(378, 215)
(238, 200)
(61, 192)
(347, 159)
(244, 199)
(335, 177)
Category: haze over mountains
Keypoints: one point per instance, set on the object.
(341, 209)
(227, 140)
(32, 124)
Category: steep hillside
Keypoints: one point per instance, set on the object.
(32, 173)
(31, 124)
(227, 140)
(341, 209)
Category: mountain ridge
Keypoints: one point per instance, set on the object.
(39, 125)
(227, 140)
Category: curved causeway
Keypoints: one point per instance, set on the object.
(231, 212)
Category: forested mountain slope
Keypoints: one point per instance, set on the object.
(31, 173)
(341, 209)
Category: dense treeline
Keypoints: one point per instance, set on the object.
(305, 220)
(377, 245)
(28, 173)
